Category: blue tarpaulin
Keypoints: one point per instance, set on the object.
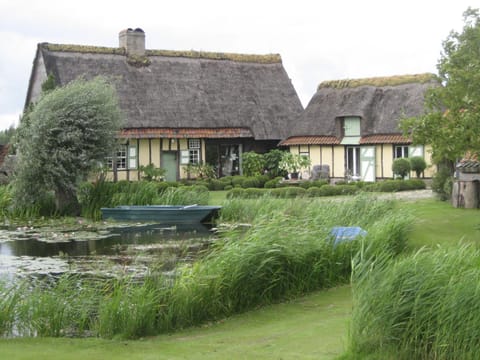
(346, 233)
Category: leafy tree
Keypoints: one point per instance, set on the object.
(62, 138)
(252, 163)
(452, 122)
(418, 164)
(401, 167)
(6, 135)
(272, 161)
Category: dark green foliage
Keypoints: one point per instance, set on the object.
(451, 124)
(7, 135)
(253, 164)
(313, 183)
(62, 139)
(272, 161)
(441, 182)
(93, 196)
(418, 164)
(272, 183)
(151, 173)
(333, 190)
(401, 167)
(49, 84)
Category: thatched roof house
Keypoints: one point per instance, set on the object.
(379, 102)
(247, 99)
(360, 112)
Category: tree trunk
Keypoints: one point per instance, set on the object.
(66, 202)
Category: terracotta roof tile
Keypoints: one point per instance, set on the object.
(385, 139)
(310, 140)
(173, 133)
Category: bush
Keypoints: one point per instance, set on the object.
(401, 167)
(418, 164)
(333, 190)
(442, 177)
(271, 184)
(252, 163)
(215, 185)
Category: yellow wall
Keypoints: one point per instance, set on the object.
(143, 152)
(339, 161)
(155, 144)
(387, 160)
(322, 155)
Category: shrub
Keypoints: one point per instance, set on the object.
(333, 190)
(271, 184)
(401, 167)
(252, 163)
(250, 182)
(418, 164)
(441, 177)
(215, 184)
(272, 160)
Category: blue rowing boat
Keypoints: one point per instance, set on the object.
(172, 214)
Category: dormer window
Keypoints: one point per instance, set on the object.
(350, 128)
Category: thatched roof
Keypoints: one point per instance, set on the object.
(380, 103)
(184, 89)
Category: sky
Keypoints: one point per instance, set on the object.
(318, 40)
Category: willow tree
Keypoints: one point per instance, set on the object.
(452, 122)
(62, 138)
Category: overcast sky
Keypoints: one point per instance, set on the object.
(318, 40)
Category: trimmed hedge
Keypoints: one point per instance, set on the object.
(327, 190)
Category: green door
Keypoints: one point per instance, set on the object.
(169, 163)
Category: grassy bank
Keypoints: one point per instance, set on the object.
(287, 252)
(311, 327)
(321, 332)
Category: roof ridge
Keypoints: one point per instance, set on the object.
(379, 81)
(191, 54)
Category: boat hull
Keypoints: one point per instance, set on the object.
(171, 214)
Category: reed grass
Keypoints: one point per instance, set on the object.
(423, 306)
(288, 251)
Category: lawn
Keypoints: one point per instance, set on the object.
(311, 327)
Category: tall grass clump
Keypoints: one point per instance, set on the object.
(54, 307)
(129, 309)
(424, 306)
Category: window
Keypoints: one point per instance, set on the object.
(351, 126)
(401, 151)
(194, 151)
(353, 161)
(120, 158)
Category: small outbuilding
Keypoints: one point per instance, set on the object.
(466, 188)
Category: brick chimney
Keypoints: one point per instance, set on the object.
(133, 41)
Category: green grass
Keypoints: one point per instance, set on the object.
(438, 223)
(311, 327)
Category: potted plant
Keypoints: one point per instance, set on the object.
(294, 163)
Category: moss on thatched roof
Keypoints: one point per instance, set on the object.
(85, 49)
(192, 54)
(261, 59)
(183, 89)
(378, 81)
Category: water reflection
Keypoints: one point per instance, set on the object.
(129, 247)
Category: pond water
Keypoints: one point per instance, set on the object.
(126, 249)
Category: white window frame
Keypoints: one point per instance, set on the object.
(194, 146)
(403, 149)
(120, 158)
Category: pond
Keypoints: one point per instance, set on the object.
(108, 250)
